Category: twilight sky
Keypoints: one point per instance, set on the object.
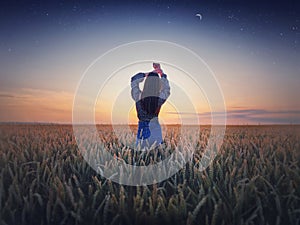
(251, 46)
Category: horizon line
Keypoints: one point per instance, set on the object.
(135, 124)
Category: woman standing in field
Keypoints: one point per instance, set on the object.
(148, 103)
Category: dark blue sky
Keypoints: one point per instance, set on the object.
(29, 23)
(259, 16)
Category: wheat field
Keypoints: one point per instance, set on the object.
(254, 179)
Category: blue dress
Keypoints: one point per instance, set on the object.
(149, 130)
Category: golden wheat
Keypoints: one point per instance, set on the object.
(254, 179)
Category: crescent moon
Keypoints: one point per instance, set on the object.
(199, 15)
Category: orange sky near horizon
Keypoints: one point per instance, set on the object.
(34, 105)
(242, 104)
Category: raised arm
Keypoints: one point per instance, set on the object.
(135, 89)
(165, 92)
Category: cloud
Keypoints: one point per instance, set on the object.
(6, 96)
(3, 95)
(36, 105)
(250, 116)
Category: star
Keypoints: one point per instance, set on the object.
(232, 17)
(294, 28)
(74, 9)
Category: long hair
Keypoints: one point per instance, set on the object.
(150, 94)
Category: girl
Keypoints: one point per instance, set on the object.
(148, 103)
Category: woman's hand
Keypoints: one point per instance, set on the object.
(157, 68)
